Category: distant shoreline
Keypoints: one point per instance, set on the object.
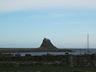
(32, 50)
(41, 50)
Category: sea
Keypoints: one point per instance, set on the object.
(74, 52)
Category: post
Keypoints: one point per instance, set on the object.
(87, 42)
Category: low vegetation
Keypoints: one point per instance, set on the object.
(47, 69)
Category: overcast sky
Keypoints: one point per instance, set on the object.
(24, 23)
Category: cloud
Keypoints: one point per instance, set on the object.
(16, 5)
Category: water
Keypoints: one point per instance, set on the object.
(37, 53)
(75, 52)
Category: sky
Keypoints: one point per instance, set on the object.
(25, 23)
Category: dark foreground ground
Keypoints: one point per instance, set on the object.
(48, 63)
(47, 69)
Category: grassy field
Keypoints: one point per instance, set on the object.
(48, 69)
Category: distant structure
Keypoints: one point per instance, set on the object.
(46, 44)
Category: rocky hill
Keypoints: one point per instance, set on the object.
(46, 44)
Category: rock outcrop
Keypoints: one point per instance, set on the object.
(46, 44)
